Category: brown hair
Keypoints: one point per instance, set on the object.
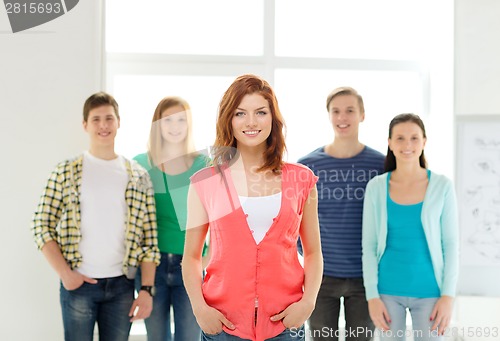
(97, 100)
(225, 142)
(345, 91)
(155, 142)
(390, 158)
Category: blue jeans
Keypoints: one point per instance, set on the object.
(107, 303)
(420, 310)
(170, 292)
(324, 321)
(287, 335)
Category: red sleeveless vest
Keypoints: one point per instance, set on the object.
(241, 272)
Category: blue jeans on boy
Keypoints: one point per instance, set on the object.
(420, 310)
(296, 334)
(108, 303)
(170, 292)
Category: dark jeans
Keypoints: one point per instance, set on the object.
(107, 303)
(287, 335)
(324, 321)
(170, 292)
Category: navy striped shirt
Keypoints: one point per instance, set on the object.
(341, 190)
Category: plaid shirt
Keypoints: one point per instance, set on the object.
(58, 215)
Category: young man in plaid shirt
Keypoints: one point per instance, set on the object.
(95, 224)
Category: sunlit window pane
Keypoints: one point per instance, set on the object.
(139, 95)
(361, 29)
(302, 98)
(216, 27)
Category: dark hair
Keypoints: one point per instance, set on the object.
(242, 86)
(345, 91)
(97, 100)
(390, 159)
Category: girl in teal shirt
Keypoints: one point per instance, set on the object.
(410, 239)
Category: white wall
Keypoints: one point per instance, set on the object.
(46, 73)
(477, 57)
(477, 91)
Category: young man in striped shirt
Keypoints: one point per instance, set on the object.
(344, 167)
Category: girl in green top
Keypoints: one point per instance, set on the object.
(171, 160)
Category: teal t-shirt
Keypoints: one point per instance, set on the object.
(171, 202)
(405, 268)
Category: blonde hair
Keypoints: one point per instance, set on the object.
(156, 142)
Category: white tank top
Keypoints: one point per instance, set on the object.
(260, 213)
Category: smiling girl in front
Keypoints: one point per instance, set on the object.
(256, 206)
(410, 239)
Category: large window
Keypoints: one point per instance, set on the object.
(397, 53)
(216, 27)
(357, 29)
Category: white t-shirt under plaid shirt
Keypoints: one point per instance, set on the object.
(103, 216)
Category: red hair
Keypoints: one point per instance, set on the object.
(224, 139)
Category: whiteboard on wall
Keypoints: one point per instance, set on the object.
(478, 193)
